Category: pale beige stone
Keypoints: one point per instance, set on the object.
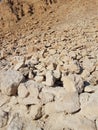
(22, 91)
(10, 81)
(35, 112)
(50, 79)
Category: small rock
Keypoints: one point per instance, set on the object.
(4, 99)
(33, 88)
(3, 118)
(46, 97)
(84, 98)
(50, 79)
(15, 124)
(18, 62)
(39, 78)
(85, 74)
(35, 112)
(73, 83)
(50, 108)
(56, 74)
(68, 84)
(29, 101)
(22, 91)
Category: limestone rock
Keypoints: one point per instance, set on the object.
(15, 124)
(49, 79)
(3, 118)
(10, 81)
(68, 84)
(90, 110)
(33, 87)
(22, 91)
(28, 100)
(35, 112)
(69, 103)
(50, 108)
(70, 122)
(73, 83)
(4, 99)
(39, 79)
(18, 62)
(46, 97)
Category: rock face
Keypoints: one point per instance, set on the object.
(49, 65)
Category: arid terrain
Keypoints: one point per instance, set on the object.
(49, 65)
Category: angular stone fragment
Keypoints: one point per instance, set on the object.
(46, 97)
(10, 81)
(50, 79)
(15, 124)
(3, 118)
(90, 109)
(22, 91)
(73, 83)
(68, 103)
(35, 112)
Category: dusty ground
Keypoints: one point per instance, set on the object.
(49, 65)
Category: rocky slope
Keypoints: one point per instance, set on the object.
(48, 65)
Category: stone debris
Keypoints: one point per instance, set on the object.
(48, 65)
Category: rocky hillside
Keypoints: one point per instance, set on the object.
(48, 65)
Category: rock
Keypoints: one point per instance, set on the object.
(39, 78)
(74, 67)
(85, 74)
(59, 93)
(50, 79)
(18, 66)
(70, 122)
(3, 118)
(57, 74)
(84, 98)
(16, 123)
(10, 81)
(20, 109)
(90, 109)
(18, 62)
(24, 71)
(29, 101)
(68, 103)
(31, 75)
(50, 108)
(35, 112)
(33, 88)
(88, 64)
(51, 67)
(73, 83)
(46, 97)
(22, 91)
(90, 89)
(4, 99)
(97, 123)
(30, 125)
(68, 84)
